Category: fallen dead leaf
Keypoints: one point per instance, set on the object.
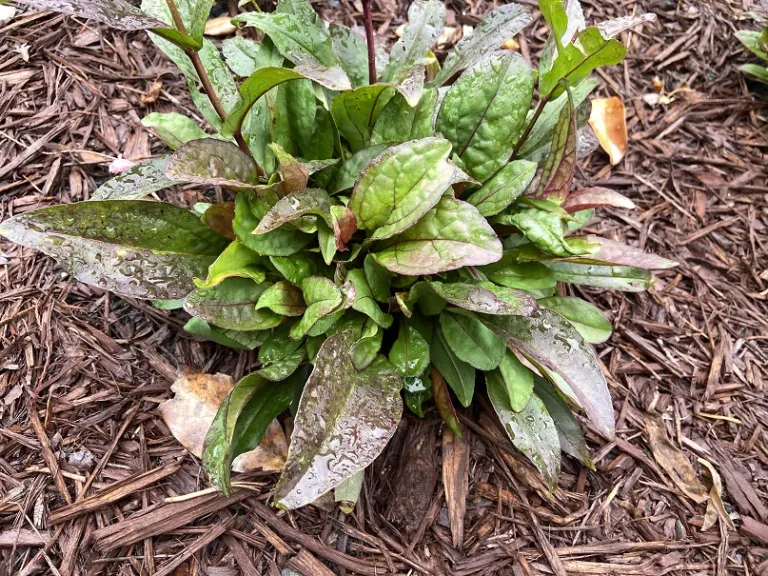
(6, 12)
(221, 26)
(511, 44)
(151, 95)
(456, 481)
(673, 461)
(715, 506)
(188, 415)
(609, 121)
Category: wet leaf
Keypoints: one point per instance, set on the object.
(337, 400)
(294, 173)
(400, 122)
(451, 235)
(351, 52)
(278, 345)
(595, 197)
(674, 461)
(609, 121)
(245, 56)
(425, 24)
(571, 437)
(295, 117)
(402, 185)
(364, 301)
(240, 423)
(355, 112)
(545, 229)
(282, 298)
(532, 430)
(486, 298)
(602, 250)
(219, 218)
(484, 112)
(249, 209)
(556, 18)
(521, 275)
(130, 247)
(497, 27)
(237, 339)
(323, 298)
(347, 493)
(515, 378)
(294, 206)
(503, 188)
(137, 182)
(593, 326)
(235, 261)
(213, 162)
(459, 375)
(353, 167)
(118, 14)
(417, 391)
(549, 340)
(283, 368)
(379, 279)
(443, 402)
(410, 352)
(558, 169)
(297, 267)
(173, 128)
(471, 340)
(625, 278)
(232, 305)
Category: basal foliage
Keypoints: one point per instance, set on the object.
(385, 242)
(757, 43)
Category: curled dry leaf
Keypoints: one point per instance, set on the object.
(673, 461)
(715, 507)
(221, 26)
(189, 414)
(609, 121)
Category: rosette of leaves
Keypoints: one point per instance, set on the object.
(757, 43)
(390, 237)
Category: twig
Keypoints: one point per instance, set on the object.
(372, 77)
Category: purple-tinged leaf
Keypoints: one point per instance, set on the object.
(557, 173)
(296, 205)
(344, 225)
(136, 182)
(595, 198)
(214, 162)
(549, 340)
(344, 420)
(486, 298)
(602, 250)
(118, 14)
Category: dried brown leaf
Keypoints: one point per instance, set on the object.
(609, 121)
(456, 481)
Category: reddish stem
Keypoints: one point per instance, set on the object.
(372, 77)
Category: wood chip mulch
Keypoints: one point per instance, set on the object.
(92, 482)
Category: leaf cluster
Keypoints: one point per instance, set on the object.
(388, 240)
(757, 43)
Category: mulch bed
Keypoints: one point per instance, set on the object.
(92, 482)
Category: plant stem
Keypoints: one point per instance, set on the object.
(529, 128)
(372, 77)
(203, 75)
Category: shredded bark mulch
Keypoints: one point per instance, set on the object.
(92, 482)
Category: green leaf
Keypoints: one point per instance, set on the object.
(173, 128)
(568, 430)
(755, 71)
(283, 368)
(235, 261)
(543, 228)
(351, 52)
(554, 44)
(400, 122)
(245, 56)
(297, 267)
(459, 375)
(497, 27)
(472, 341)
(410, 352)
(130, 247)
(295, 116)
(118, 14)
(257, 84)
(443, 402)
(576, 61)
(219, 217)
(401, 186)
(308, 46)
(425, 24)
(557, 172)
(323, 298)
(213, 162)
(511, 273)
(232, 305)
(550, 341)
(515, 378)
(239, 340)
(249, 209)
(282, 298)
(347, 493)
(541, 134)
(751, 40)
(355, 112)
(301, 8)
(486, 298)
(337, 398)
(484, 112)
(278, 345)
(451, 235)
(379, 279)
(503, 188)
(625, 278)
(364, 301)
(240, 424)
(353, 167)
(137, 182)
(294, 206)
(585, 317)
(554, 15)
(417, 391)
(531, 430)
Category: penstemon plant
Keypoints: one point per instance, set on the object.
(757, 43)
(397, 228)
